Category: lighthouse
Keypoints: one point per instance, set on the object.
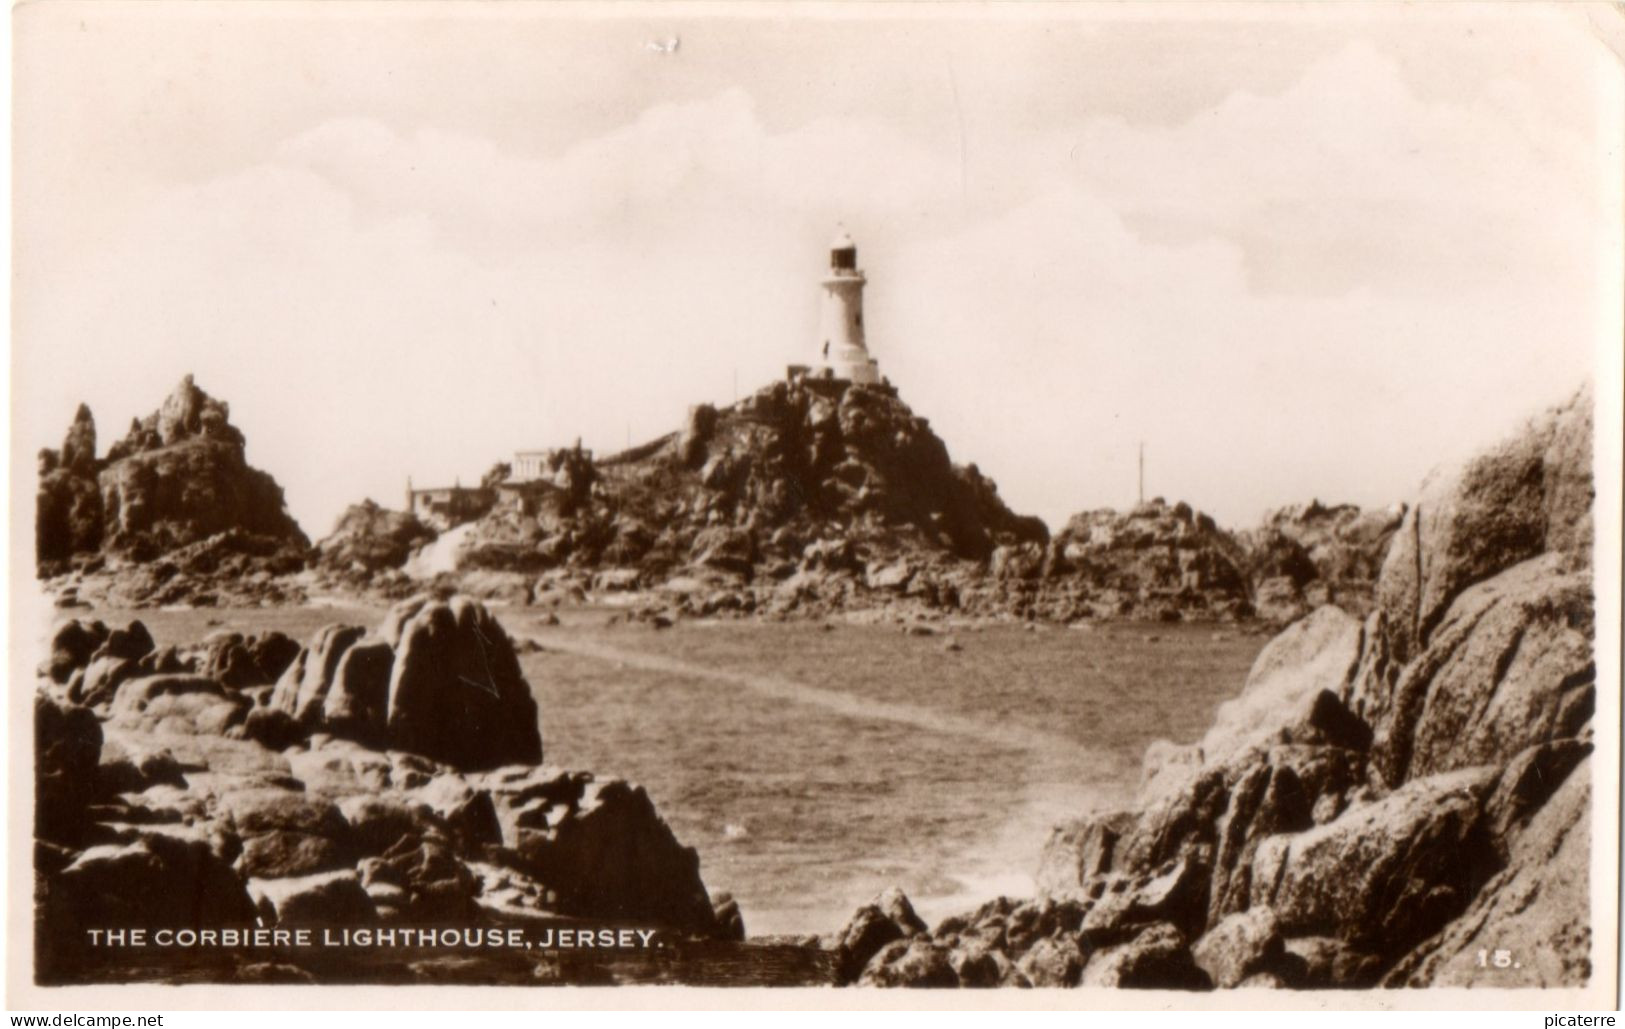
(842, 353)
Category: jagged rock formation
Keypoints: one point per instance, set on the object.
(167, 801)
(174, 507)
(807, 497)
(762, 480)
(68, 513)
(1386, 797)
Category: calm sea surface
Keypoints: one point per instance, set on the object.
(813, 767)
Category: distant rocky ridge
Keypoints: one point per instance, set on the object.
(814, 497)
(1391, 800)
(379, 779)
(172, 512)
(807, 498)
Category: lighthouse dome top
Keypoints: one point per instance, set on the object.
(842, 241)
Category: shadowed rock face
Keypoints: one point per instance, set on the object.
(177, 486)
(67, 745)
(1384, 798)
(1542, 893)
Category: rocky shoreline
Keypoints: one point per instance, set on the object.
(365, 779)
(1400, 801)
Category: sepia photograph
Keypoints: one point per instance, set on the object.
(1078, 500)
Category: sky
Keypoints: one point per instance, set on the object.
(1297, 252)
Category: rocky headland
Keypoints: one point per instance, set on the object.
(1401, 799)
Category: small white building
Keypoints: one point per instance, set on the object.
(530, 465)
(842, 350)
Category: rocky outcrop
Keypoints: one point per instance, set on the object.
(1308, 555)
(455, 690)
(741, 510)
(1389, 797)
(171, 513)
(888, 919)
(1386, 874)
(158, 808)
(368, 540)
(1542, 893)
(1156, 562)
(1530, 496)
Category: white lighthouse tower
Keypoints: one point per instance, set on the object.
(842, 352)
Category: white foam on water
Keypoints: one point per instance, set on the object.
(439, 556)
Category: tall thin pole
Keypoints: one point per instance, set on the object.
(1142, 473)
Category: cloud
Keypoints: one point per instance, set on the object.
(1346, 179)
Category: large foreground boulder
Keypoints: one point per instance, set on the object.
(600, 847)
(439, 678)
(1530, 495)
(155, 880)
(456, 693)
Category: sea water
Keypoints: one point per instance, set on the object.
(813, 766)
